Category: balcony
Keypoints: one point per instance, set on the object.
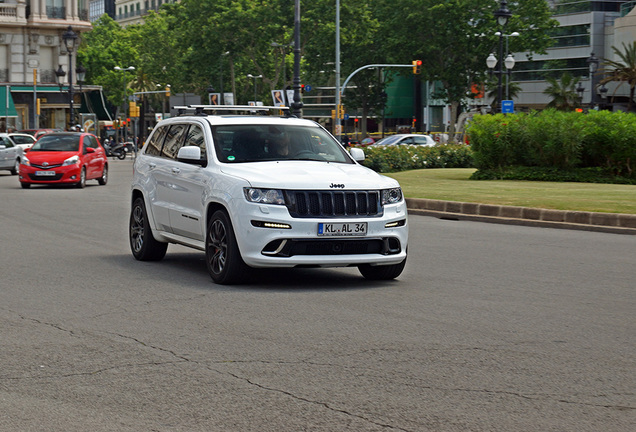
(12, 13)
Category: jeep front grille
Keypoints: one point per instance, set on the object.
(305, 204)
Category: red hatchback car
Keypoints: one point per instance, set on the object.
(64, 158)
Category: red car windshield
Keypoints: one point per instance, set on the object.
(57, 143)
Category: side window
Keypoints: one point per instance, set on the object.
(420, 140)
(153, 147)
(90, 141)
(7, 142)
(195, 137)
(174, 140)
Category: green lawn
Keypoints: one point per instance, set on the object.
(454, 185)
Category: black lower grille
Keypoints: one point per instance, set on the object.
(45, 178)
(292, 247)
(333, 203)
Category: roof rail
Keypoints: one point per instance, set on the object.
(201, 109)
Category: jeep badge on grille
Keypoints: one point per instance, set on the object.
(335, 185)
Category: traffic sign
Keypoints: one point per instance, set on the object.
(346, 116)
(507, 107)
(308, 88)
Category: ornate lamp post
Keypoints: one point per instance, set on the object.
(70, 39)
(502, 15)
(592, 64)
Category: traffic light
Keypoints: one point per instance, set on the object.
(167, 91)
(132, 108)
(417, 66)
(37, 106)
(302, 88)
(341, 111)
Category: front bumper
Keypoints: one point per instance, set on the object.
(300, 245)
(68, 174)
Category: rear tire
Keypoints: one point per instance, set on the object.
(16, 167)
(143, 245)
(104, 178)
(382, 272)
(222, 255)
(121, 155)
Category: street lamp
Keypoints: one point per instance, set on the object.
(166, 93)
(124, 70)
(222, 101)
(70, 39)
(580, 89)
(254, 77)
(502, 15)
(592, 64)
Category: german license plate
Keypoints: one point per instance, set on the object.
(45, 173)
(342, 229)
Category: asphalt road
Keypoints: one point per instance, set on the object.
(490, 328)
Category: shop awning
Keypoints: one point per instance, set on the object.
(7, 107)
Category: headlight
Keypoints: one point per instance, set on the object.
(391, 196)
(71, 161)
(25, 161)
(265, 196)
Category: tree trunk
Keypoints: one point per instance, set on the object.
(453, 117)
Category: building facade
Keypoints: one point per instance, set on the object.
(132, 11)
(585, 27)
(31, 51)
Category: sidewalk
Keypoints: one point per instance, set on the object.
(578, 220)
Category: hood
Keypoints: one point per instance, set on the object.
(51, 157)
(309, 175)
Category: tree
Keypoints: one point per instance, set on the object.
(622, 70)
(454, 37)
(563, 92)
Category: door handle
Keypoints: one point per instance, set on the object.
(176, 170)
(152, 165)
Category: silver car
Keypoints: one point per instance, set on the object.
(10, 154)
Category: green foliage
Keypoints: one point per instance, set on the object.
(562, 92)
(622, 70)
(578, 175)
(554, 140)
(402, 158)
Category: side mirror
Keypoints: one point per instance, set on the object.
(90, 150)
(357, 154)
(191, 154)
(2, 146)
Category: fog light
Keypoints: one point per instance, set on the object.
(274, 225)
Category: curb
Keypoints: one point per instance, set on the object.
(617, 223)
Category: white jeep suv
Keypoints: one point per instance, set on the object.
(264, 191)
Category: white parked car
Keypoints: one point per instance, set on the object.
(11, 152)
(405, 139)
(22, 140)
(264, 191)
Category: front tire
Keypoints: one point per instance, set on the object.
(25, 185)
(143, 245)
(382, 272)
(104, 178)
(81, 184)
(222, 255)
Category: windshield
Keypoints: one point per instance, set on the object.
(52, 142)
(22, 139)
(256, 143)
(388, 140)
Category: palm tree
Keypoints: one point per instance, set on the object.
(492, 90)
(563, 92)
(623, 70)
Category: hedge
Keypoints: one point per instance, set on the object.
(405, 157)
(557, 140)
